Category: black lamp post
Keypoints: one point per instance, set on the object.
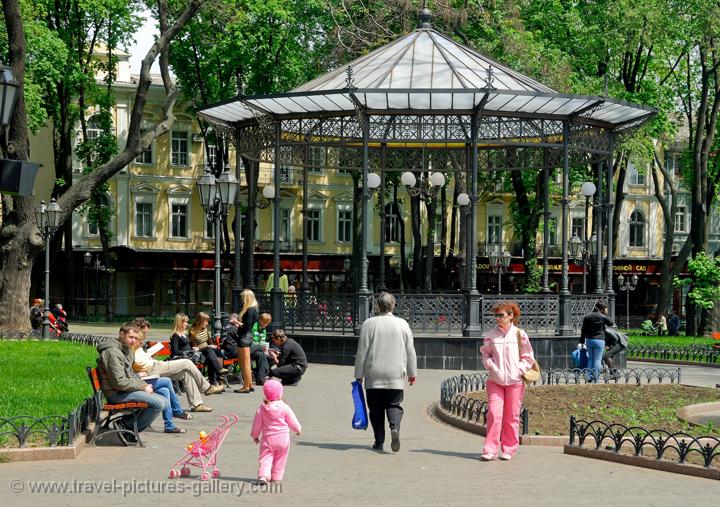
(8, 95)
(216, 197)
(47, 218)
(627, 284)
(346, 266)
(97, 266)
(582, 250)
(500, 264)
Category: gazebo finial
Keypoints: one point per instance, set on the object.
(425, 16)
(489, 78)
(349, 77)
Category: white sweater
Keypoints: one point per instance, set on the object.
(386, 354)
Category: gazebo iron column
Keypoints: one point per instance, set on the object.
(610, 216)
(381, 198)
(249, 245)
(276, 294)
(363, 294)
(565, 324)
(237, 232)
(598, 226)
(546, 222)
(305, 289)
(473, 326)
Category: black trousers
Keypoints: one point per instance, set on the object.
(213, 362)
(261, 363)
(288, 374)
(379, 402)
(610, 354)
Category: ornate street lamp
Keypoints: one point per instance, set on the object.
(8, 95)
(216, 197)
(427, 187)
(47, 218)
(627, 284)
(500, 264)
(346, 267)
(582, 251)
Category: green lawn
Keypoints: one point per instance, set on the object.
(680, 341)
(43, 378)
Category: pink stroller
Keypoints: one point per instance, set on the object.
(203, 452)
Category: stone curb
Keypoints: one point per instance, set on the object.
(479, 429)
(689, 413)
(644, 462)
(46, 453)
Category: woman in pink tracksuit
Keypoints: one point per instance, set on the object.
(273, 420)
(505, 386)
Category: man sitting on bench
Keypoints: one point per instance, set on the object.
(120, 383)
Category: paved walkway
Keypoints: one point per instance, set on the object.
(331, 464)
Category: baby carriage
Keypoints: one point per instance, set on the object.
(203, 452)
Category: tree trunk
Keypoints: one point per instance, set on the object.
(431, 207)
(417, 242)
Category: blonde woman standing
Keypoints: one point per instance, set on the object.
(248, 317)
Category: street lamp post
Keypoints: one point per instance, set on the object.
(47, 218)
(216, 197)
(97, 266)
(627, 284)
(346, 266)
(500, 264)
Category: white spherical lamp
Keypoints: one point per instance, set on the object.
(408, 179)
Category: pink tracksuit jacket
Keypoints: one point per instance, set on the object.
(274, 420)
(500, 356)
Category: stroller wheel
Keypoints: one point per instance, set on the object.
(184, 472)
(205, 476)
(174, 474)
(216, 473)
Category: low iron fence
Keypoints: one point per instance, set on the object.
(474, 410)
(695, 353)
(659, 444)
(52, 431)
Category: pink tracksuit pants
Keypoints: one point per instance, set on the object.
(503, 418)
(274, 451)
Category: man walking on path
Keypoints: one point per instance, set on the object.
(118, 380)
(385, 358)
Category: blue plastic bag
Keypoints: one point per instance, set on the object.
(360, 417)
(579, 358)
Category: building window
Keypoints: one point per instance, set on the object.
(637, 229)
(146, 157)
(577, 228)
(313, 224)
(93, 128)
(178, 228)
(179, 148)
(284, 224)
(553, 230)
(637, 176)
(209, 228)
(143, 219)
(494, 229)
(317, 158)
(344, 226)
(680, 219)
(211, 155)
(392, 223)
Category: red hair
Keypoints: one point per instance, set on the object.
(508, 307)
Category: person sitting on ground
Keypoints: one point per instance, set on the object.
(176, 369)
(291, 362)
(259, 348)
(121, 384)
(36, 314)
(615, 342)
(200, 340)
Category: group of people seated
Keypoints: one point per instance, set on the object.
(128, 372)
(57, 317)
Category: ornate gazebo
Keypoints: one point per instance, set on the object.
(425, 99)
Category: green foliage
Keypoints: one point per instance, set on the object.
(43, 378)
(533, 275)
(704, 280)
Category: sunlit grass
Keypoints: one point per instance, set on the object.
(43, 378)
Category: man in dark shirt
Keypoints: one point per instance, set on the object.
(230, 331)
(592, 336)
(292, 362)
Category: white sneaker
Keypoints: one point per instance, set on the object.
(488, 456)
(505, 456)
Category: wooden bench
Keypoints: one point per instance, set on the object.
(115, 411)
(716, 340)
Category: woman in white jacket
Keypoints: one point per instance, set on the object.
(505, 363)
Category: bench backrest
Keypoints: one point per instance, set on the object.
(94, 379)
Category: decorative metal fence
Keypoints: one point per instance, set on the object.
(53, 431)
(660, 444)
(582, 304)
(539, 313)
(453, 400)
(320, 312)
(696, 353)
(432, 313)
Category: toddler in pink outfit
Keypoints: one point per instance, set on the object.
(273, 420)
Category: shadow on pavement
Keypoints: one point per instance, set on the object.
(335, 447)
(466, 455)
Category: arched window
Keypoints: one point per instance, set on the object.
(93, 128)
(637, 229)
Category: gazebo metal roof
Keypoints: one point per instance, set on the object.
(426, 72)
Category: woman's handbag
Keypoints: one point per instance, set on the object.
(360, 417)
(533, 374)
